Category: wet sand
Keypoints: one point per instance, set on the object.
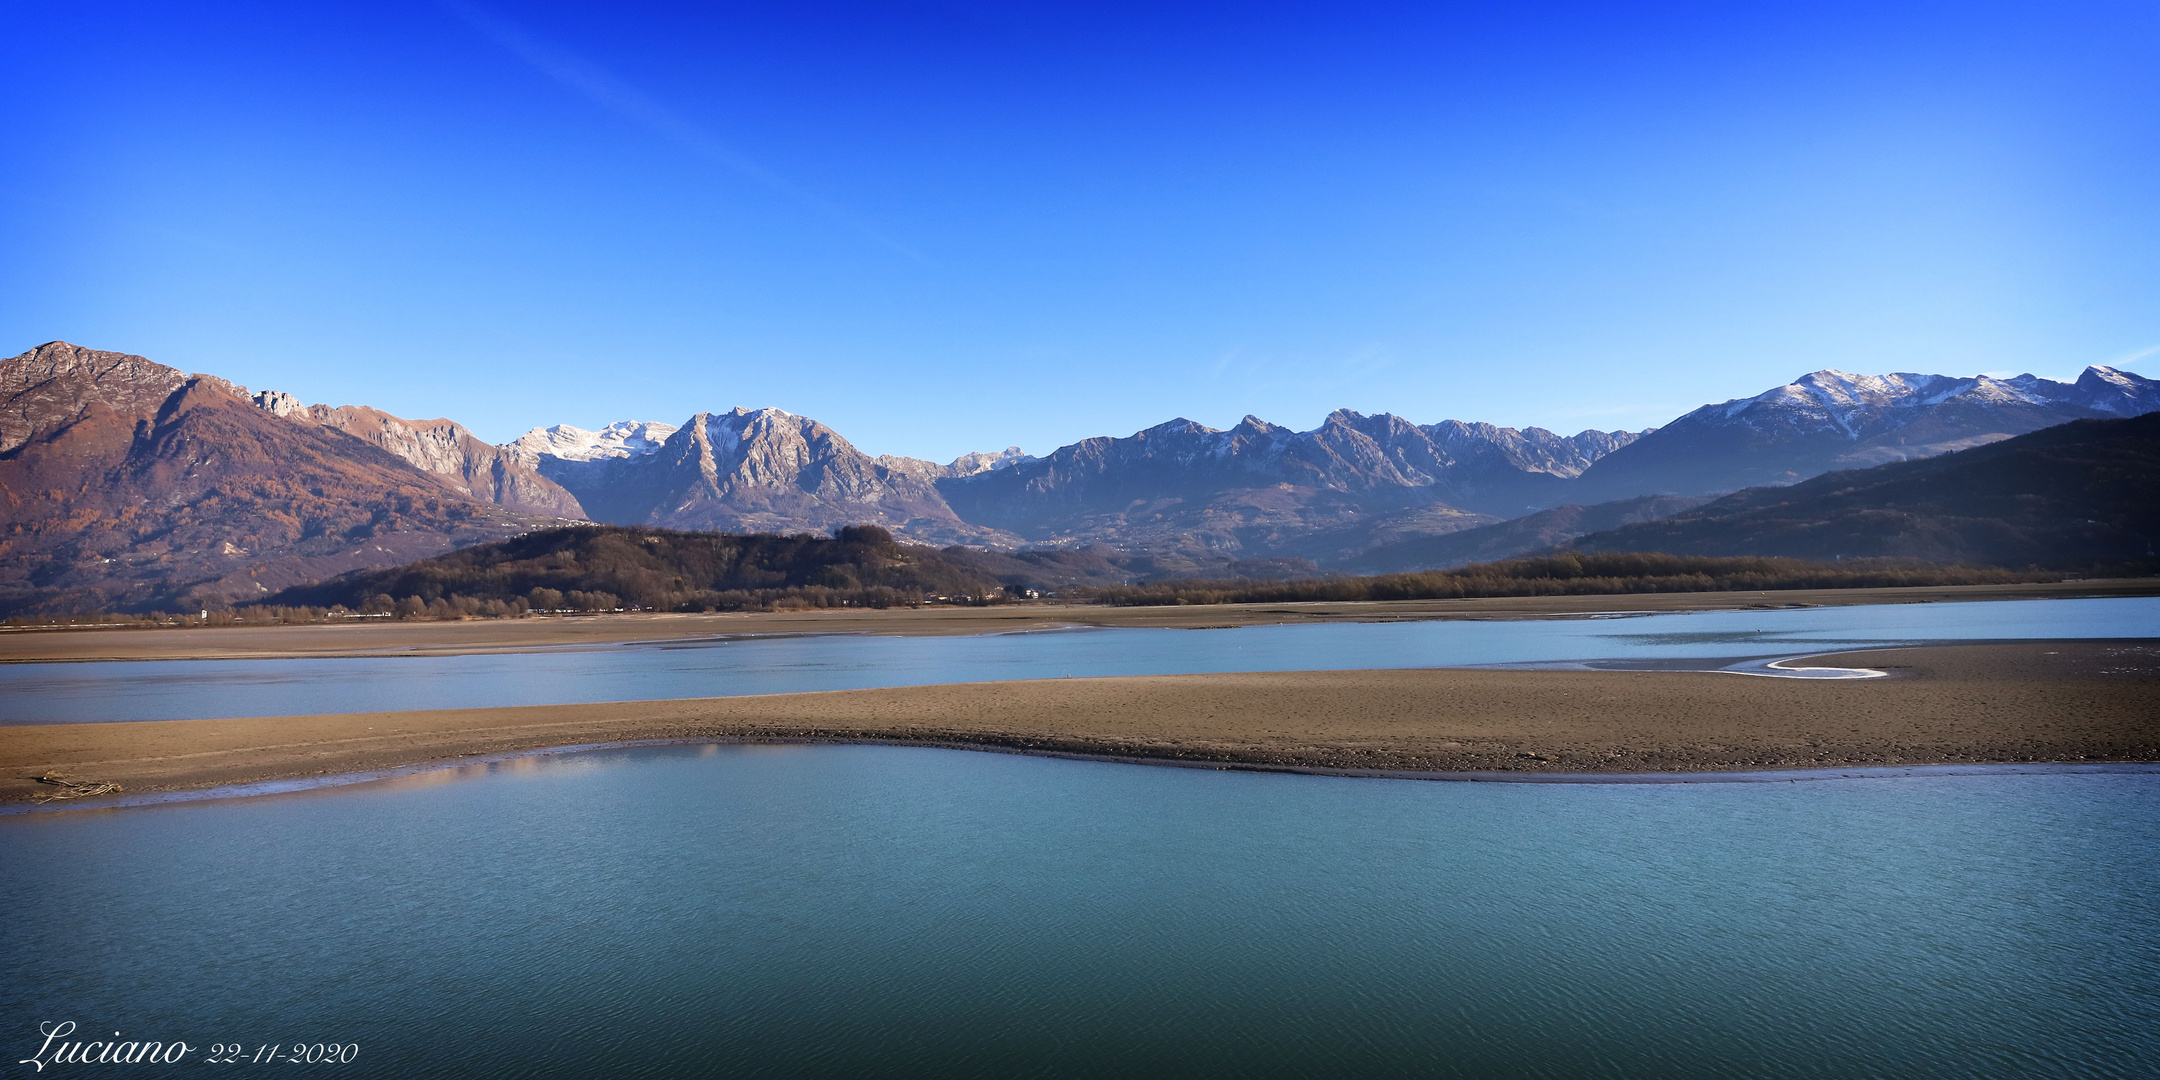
(374, 638)
(2060, 702)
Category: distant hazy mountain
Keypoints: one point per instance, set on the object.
(2081, 494)
(1258, 487)
(1507, 539)
(1832, 420)
(129, 484)
(930, 472)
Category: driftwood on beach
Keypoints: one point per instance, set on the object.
(72, 789)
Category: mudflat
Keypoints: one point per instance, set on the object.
(2069, 701)
(381, 637)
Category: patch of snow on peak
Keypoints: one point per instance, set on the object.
(1840, 391)
(2025, 389)
(725, 431)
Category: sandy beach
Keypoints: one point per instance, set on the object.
(2066, 702)
(387, 637)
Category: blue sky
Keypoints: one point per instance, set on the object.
(942, 227)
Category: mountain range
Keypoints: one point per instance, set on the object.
(129, 484)
(2082, 494)
(1365, 492)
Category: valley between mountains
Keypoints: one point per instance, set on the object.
(129, 485)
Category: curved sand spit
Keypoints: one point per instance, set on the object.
(2062, 702)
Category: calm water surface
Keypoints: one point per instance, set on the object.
(882, 911)
(169, 690)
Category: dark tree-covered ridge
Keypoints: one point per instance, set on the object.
(603, 567)
(1571, 573)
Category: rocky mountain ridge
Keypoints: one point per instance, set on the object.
(1177, 487)
(479, 470)
(1259, 487)
(759, 470)
(127, 484)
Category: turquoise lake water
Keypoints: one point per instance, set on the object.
(890, 911)
(181, 689)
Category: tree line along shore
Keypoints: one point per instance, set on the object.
(605, 569)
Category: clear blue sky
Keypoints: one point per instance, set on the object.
(942, 227)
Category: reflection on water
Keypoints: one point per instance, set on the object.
(553, 760)
(865, 911)
(165, 690)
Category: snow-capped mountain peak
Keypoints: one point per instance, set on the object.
(982, 461)
(1850, 398)
(1856, 404)
(1831, 419)
(1841, 393)
(622, 439)
(2117, 392)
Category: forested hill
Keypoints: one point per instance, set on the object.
(606, 567)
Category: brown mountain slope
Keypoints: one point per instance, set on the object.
(481, 471)
(125, 484)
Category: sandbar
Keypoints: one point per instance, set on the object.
(1994, 703)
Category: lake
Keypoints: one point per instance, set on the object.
(892, 911)
(183, 689)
